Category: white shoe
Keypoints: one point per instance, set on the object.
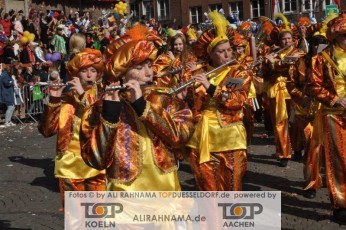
(9, 124)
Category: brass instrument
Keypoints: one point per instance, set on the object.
(191, 81)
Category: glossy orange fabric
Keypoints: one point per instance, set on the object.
(85, 59)
(335, 155)
(224, 171)
(96, 183)
(117, 147)
(282, 138)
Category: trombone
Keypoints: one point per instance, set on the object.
(191, 81)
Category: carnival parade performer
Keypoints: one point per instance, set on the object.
(328, 81)
(218, 146)
(62, 116)
(277, 69)
(136, 134)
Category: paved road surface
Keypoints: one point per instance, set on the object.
(29, 197)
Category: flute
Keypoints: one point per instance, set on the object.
(124, 87)
(191, 81)
(178, 69)
(52, 84)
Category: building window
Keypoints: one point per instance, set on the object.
(163, 9)
(148, 9)
(310, 5)
(257, 8)
(135, 9)
(289, 6)
(196, 15)
(213, 7)
(237, 10)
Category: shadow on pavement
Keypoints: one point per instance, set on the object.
(5, 225)
(48, 181)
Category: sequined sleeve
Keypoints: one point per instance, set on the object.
(169, 118)
(96, 133)
(321, 86)
(297, 80)
(234, 99)
(49, 123)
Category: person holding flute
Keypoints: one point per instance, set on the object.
(218, 146)
(177, 56)
(136, 133)
(239, 44)
(62, 116)
(278, 68)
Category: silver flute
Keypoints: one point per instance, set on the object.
(52, 84)
(191, 81)
(123, 87)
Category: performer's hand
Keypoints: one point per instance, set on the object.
(342, 101)
(112, 95)
(203, 80)
(76, 85)
(182, 94)
(135, 89)
(271, 57)
(171, 55)
(191, 66)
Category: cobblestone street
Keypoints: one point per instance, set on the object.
(29, 197)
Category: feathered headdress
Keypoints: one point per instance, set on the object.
(211, 37)
(139, 46)
(286, 25)
(191, 34)
(220, 23)
(304, 21)
(239, 40)
(323, 30)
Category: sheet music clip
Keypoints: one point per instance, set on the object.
(234, 83)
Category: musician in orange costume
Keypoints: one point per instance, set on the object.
(62, 116)
(177, 56)
(328, 86)
(218, 146)
(239, 44)
(277, 69)
(136, 135)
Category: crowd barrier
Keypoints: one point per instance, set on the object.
(29, 102)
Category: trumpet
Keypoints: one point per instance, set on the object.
(124, 87)
(191, 81)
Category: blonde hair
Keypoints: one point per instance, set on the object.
(77, 43)
(54, 75)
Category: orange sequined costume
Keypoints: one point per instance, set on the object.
(62, 116)
(138, 143)
(327, 85)
(218, 146)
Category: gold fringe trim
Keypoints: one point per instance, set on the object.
(54, 104)
(108, 124)
(146, 110)
(332, 103)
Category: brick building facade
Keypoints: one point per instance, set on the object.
(183, 11)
